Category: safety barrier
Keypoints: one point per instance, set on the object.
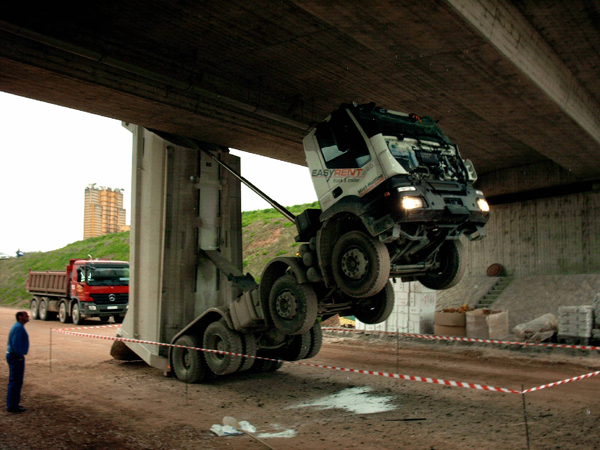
(464, 339)
(75, 332)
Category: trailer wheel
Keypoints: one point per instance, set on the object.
(76, 313)
(360, 264)
(377, 308)
(190, 365)
(218, 336)
(316, 341)
(295, 348)
(450, 267)
(264, 365)
(249, 344)
(63, 315)
(293, 306)
(33, 307)
(43, 310)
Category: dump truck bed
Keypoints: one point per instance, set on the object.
(48, 283)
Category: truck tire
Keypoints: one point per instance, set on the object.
(360, 264)
(264, 365)
(377, 308)
(249, 344)
(33, 308)
(450, 267)
(189, 365)
(295, 348)
(293, 307)
(218, 336)
(118, 319)
(63, 314)
(76, 313)
(316, 341)
(43, 310)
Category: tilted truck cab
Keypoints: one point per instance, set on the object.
(395, 196)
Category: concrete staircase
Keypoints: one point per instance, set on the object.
(496, 290)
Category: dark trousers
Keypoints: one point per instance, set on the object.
(15, 380)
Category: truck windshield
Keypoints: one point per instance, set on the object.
(107, 275)
(375, 120)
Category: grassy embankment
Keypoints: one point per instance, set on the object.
(266, 234)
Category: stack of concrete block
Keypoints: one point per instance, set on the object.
(596, 329)
(575, 321)
(414, 306)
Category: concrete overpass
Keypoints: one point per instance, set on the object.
(514, 83)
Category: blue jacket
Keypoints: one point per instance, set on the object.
(18, 340)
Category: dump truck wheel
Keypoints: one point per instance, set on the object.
(189, 365)
(63, 315)
(76, 313)
(293, 307)
(360, 264)
(263, 366)
(33, 307)
(316, 341)
(249, 343)
(43, 310)
(450, 267)
(118, 319)
(218, 336)
(104, 318)
(377, 308)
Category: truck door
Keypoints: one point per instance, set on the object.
(78, 281)
(348, 165)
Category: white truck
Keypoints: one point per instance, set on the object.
(395, 196)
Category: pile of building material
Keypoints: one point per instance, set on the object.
(413, 311)
(575, 324)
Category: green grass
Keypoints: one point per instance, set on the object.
(266, 215)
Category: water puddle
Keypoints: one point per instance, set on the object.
(356, 400)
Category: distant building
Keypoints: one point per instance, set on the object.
(103, 212)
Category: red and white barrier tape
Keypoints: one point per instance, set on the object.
(464, 339)
(71, 331)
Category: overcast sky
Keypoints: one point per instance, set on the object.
(49, 154)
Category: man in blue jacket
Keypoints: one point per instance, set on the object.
(18, 346)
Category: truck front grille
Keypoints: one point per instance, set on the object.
(110, 299)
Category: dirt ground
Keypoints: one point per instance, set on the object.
(77, 397)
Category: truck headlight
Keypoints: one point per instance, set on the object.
(483, 204)
(92, 307)
(412, 202)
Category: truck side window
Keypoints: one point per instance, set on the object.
(79, 274)
(341, 143)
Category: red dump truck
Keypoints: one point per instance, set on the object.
(88, 288)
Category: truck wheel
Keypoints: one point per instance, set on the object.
(316, 341)
(249, 343)
(377, 308)
(104, 319)
(76, 313)
(118, 319)
(63, 315)
(450, 267)
(293, 306)
(218, 336)
(295, 348)
(189, 365)
(43, 310)
(263, 365)
(33, 307)
(361, 264)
